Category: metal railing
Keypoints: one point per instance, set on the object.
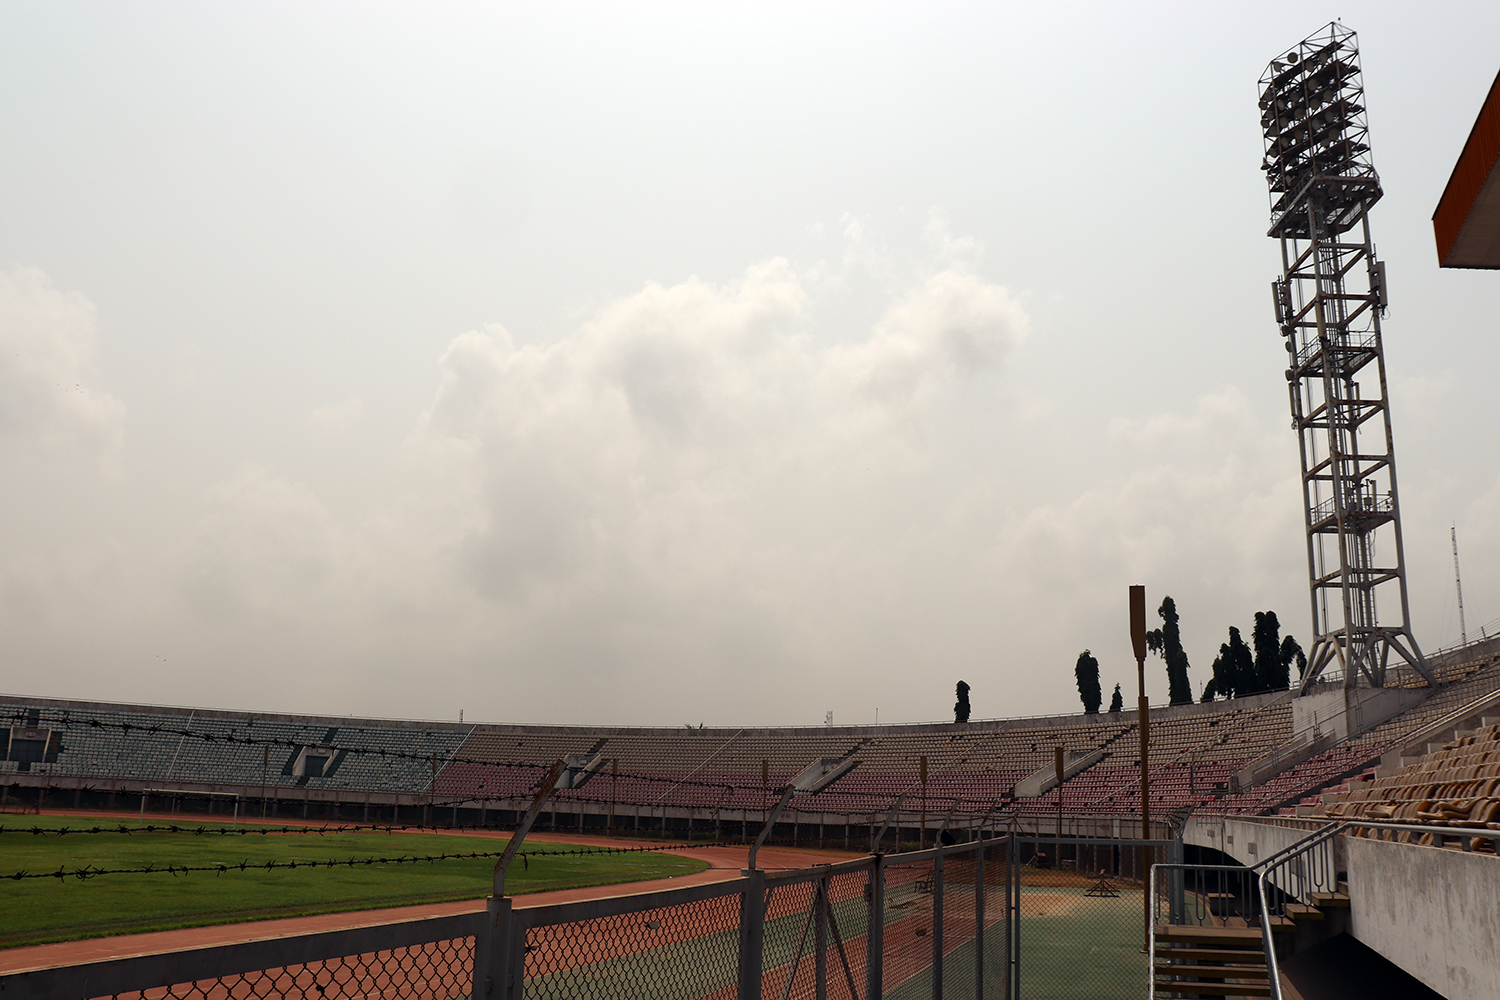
(1261, 893)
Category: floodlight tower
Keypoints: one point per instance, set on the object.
(1328, 302)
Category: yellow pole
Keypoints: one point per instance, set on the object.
(1138, 641)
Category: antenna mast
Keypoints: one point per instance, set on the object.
(1463, 633)
(1329, 301)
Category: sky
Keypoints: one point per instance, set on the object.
(679, 364)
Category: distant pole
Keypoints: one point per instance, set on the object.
(1058, 760)
(765, 782)
(1463, 632)
(1143, 708)
(922, 832)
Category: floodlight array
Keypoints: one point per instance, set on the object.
(1316, 138)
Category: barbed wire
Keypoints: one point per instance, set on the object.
(200, 830)
(220, 868)
(250, 829)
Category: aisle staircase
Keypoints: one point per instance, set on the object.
(1210, 962)
(1230, 960)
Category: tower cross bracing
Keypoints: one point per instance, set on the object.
(1328, 303)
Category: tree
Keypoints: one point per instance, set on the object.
(1167, 641)
(1274, 656)
(1234, 668)
(1087, 673)
(1297, 654)
(1265, 640)
(1115, 701)
(961, 707)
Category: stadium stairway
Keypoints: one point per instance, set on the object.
(1210, 962)
(1230, 961)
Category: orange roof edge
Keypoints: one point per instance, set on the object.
(1474, 165)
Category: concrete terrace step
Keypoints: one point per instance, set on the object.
(1215, 989)
(1220, 936)
(1213, 971)
(1330, 900)
(1191, 954)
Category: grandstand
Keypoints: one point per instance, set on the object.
(1231, 782)
(1244, 756)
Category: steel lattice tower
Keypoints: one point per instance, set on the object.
(1328, 303)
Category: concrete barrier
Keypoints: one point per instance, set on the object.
(1431, 911)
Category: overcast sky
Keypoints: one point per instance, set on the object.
(679, 364)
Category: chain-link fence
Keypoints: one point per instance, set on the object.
(676, 952)
(999, 918)
(1079, 917)
(430, 959)
(436, 970)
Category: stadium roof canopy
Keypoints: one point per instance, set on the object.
(1467, 220)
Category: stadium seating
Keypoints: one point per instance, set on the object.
(1456, 785)
(1197, 753)
(1464, 682)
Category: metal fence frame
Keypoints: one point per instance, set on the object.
(499, 933)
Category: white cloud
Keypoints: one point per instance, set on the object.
(336, 418)
(266, 549)
(696, 501)
(677, 416)
(48, 405)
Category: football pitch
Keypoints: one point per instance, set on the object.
(1074, 945)
(37, 910)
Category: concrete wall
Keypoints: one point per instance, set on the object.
(1332, 709)
(1319, 712)
(1248, 841)
(1433, 912)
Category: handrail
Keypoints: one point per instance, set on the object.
(1273, 966)
(1296, 847)
(1279, 861)
(1267, 871)
(1151, 888)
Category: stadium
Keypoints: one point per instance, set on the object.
(1337, 838)
(1261, 771)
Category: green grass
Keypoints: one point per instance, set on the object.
(1092, 950)
(34, 911)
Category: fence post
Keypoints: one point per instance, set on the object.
(752, 933)
(937, 923)
(820, 939)
(979, 921)
(1176, 897)
(1012, 928)
(515, 963)
(875, 932)
(492, 951)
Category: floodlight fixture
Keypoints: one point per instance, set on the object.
(1312, 114)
